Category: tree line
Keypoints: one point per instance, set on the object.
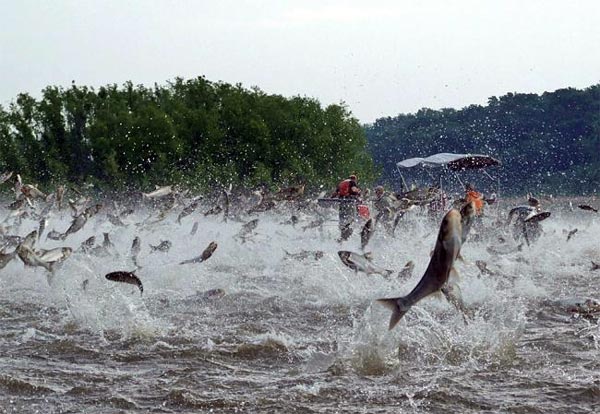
(202, 134)
(546, 143)
(195, 132)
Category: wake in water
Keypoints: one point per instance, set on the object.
(270, 319)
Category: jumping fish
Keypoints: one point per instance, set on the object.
(32, 192)
(54, 235)
(305, 254)
(159, 192)
(588, 208)
(136, 248)
(88, 244)
(52, 256)
(362, 263)
(76, 225)
(188, 210)
(125, 277)
(42, 227)
(438, 271)
(571, 234)
(106, 243)
(210, 249)
(247, 229)
(164, 246)
(366, 233)
(30, 258)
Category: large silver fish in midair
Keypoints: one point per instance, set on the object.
(447, 249)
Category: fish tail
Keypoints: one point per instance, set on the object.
(398, 306)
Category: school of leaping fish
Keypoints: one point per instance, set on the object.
(439, 277)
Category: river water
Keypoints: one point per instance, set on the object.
(295, 335)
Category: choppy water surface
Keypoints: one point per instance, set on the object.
(298, 335)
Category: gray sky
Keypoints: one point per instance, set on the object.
(380, 57)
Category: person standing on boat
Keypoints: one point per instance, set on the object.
(349, 193)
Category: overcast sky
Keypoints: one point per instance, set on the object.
(381, 58)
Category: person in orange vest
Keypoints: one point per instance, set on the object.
(347, 188)
(350, 193)
(475, 197)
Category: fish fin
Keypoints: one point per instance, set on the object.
(453, 295)
(398, 311)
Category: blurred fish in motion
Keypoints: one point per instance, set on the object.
(159, 192)
(164, 246)
(366, 233)
(54, 235)
(362, 263)
(125, 277)
(587, 208)
(87, 244)
(247, 229)
(210, 249)
(188, 210)
(136, 248)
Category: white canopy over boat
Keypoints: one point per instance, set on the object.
(454, 162)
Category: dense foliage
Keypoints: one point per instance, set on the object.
(547, 143)
(194, 132)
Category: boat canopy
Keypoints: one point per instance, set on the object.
(454, 162)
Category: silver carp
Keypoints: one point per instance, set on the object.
(362, 263)
(447, 249)
(210, 249)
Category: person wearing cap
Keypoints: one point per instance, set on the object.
(384, 203)
(349, 192)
